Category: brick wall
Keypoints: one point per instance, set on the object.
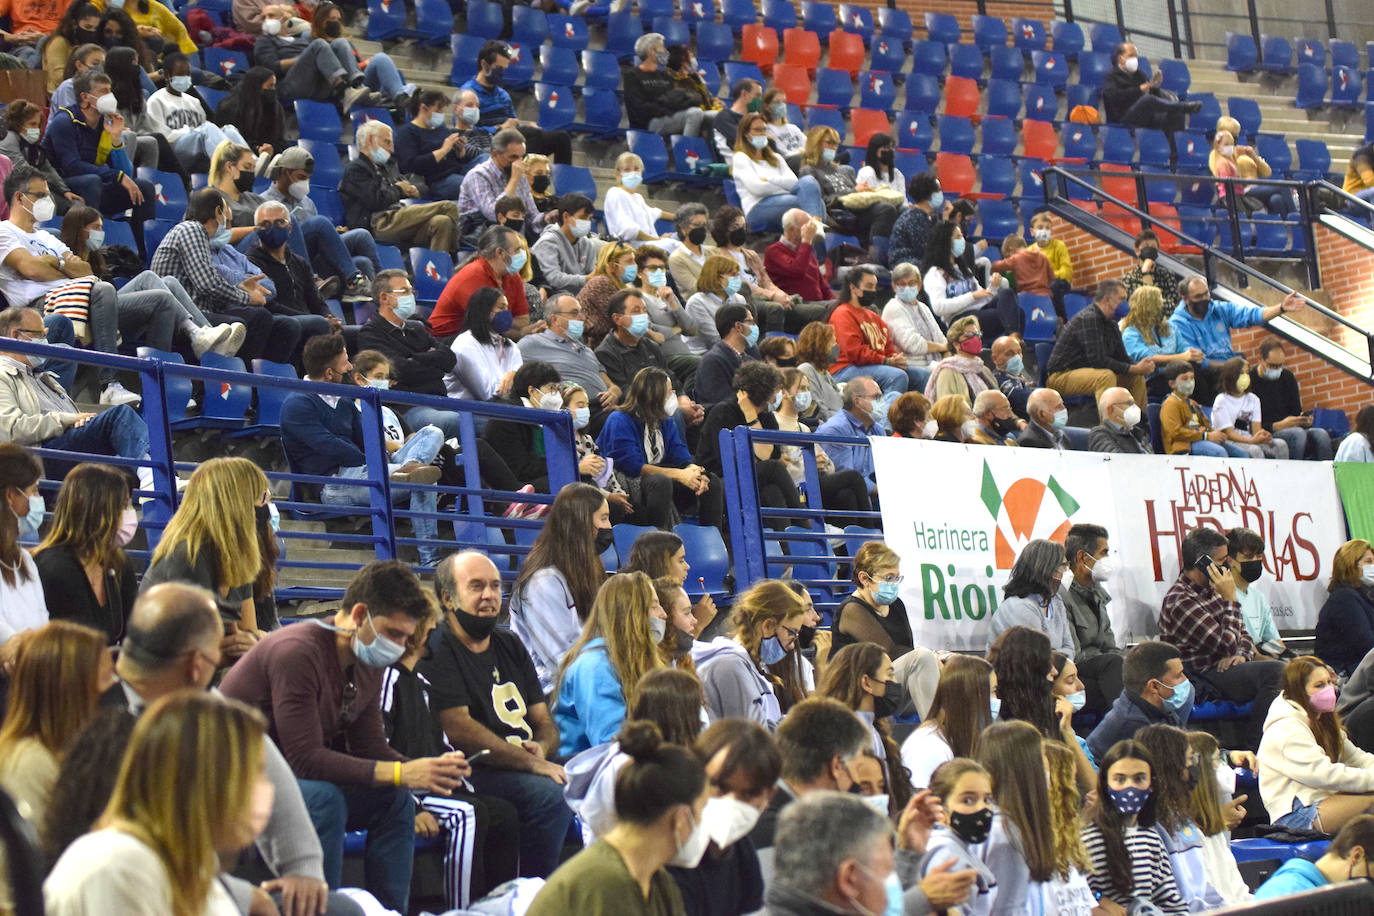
(964, 10)
(1348, 274)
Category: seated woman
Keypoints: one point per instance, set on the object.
(865, 215)
(731, 235)
(87, 578)
(767, 187)
(662, 555)
(1359, 445)
(962, 373)
(786, 138)
(692, 251)
(879, 176)
(914, 329)
(964, 704)
(22, 605)
(909, 417)
(874, 613)
(1146, 332)
(253, 108)
(428, 147)
(534, 385)
(539, 172)
(1236, 412)
(861, 677)
(591, 466)
(816, 351)
(1024, 662)
(23, 143)
(486, 360)
(1311, 776)
(618, 646)
(954, 420)
(553, 594)
(1177, 771)
(642, 439)
(158, 26)
(765, 625)
(840, 490)
(78, 26)
(629, 217)
(1208, 798)
(718, 283)
(1069, 687)
(1227, 160)
(1345, 623)
(1031, 596)
(955, 291)
(615, 270)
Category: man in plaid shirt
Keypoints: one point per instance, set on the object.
(1201, 617)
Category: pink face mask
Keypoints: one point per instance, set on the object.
(973, 346)
(1324, 700)
(128, 526)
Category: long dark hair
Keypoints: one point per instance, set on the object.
(644, 398)
(75, 12)
(1364, 423)
(1011, 752)
(962, 706)
(19, 470)
(256, 111)
(121, 65)
(652, 553)
(940, 250)
(128, 37)
(477, 316)
(1173, 801)
(567, 542)
(1023, 660)
(1112, 823)
(843, 681)
(876, 144)
(73, 224)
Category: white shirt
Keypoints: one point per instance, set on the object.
(913, 327)
(18, 289)
(173, 115)
(629, 214)
(1355, 447)
(923, 751)
(22, 605)
(787, 138)
(109, 871)
(1228, 408)
(869, 176)
(757, 179)
(480, 367)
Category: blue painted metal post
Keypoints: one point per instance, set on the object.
(379, 489)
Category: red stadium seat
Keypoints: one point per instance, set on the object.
(759, 45)
(801, 48)
(962, 97)
(865, 123)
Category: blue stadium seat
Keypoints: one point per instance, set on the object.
(1004, 98)
(433, 22)
(688, 152)
(169, 194)
(929, 58)
(623, 29)
(1051, 68)
(696, 12)
(911, 162)
(1195, 222)
(922, 93)
(1241, 54)
(1007, 63)
(154, 230)
(1093, 68)
(650, 148)
(857, 19)
(1040, 317)
(956, 135)
(484, 19)
(674, 31)
(389, 256)
(737, 70)
(225, 63)
(942, 27)
(1369, 122)
(529, 25)
(1161, 191)
(1345, 54)
(1076, 94)
(1273, 149)
(602, 112)
(877, 90)
(386, 19)
(966, 61)
(568, 31)
(705, 549)
(1176, 77)
(1154, 148)
(329, 168)
(574, 179)
(557, 106)
(1118, 146)
(828, 117)
(328, 203)
(1345, 87)
(1067, 38)
(715, 42)
(1104, 37)
(989, 32)
(432, 271)
(224, 405)
(1032, 184)
(118, 232)
(999, 137)
(1080, 142)
(998, 218)
(357, 117)
(834, 88)
(913, 130)
(738, 13)
(779, 15)
(465, 50)
(1205, 120)
(1276, 55)
(1200, 192)
(819, 16)
(649, 10)
(558, 66)
(1040, 102)
(625, 534)
(318, 120)
(270, 399)
(1029, 35)
(602, 69)
(887, 55)
(1247, 112)
(895, 24)
(1309, 51)
(1314, 160)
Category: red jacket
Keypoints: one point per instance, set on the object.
(795, 271)
(447, 318)
(1030, 269)
(862, 335)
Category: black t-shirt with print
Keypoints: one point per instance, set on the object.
(497, 686)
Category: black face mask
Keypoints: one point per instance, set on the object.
(683, 642)
(263, 513)
(85, 37)
(268, 96)
(738, 237)
(885, 156)
(244, 183)
(806, 637)
(1199, 309)
(1149, 253)
(1251, 570)
(973, 828)
(696, 236)
(539, 183)
(478, 628)
(1191, 777)
(885, 706)
(516, 225)
(787, 362)
(333, 28)
(868, 298)
(496, 75)
(605, 537)
(1004, 427)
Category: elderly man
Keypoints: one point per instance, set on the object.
(1120, 429)
(791, 262)
(501, 175)
(467, 111)
(1008, 367)
(997, 425)
(1048, 417)
(1089, 356)
(298, 297)
(372, 190)
(652, 100)
(561, 346)
(565, 251)
(862, 397)
(500, 256)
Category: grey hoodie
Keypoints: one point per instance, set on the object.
(733, 684)
(946, 845)
(565, 264)
(1359, 688)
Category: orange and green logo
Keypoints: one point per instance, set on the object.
(1026, 510)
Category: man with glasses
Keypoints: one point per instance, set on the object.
(372, 191)
(502, 175)
(561, 346)
(298, 297)
(856, 420)
(500, 257)
(565, 250)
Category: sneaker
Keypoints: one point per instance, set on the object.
(209, 338)
(518, 510)
(353, 95)
(414, 472)
(537, 510)
(328, 287)
(237, 332)
(358, 289)
(115, 394)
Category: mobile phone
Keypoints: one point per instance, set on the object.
(1203, 563)
(479, 755)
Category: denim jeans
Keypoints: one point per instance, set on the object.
(388, 816)
(317, 68)
(202, 140)
(362, 247)
(1212, 449)
(382, 76)
(446, 188)
(806, 194)
(61, 334)
(686, 122)
(544, 815)
(118, 431)
(446, 420)
(889, 378)
(319, 241)
(423, 447)
(1313, 444)
(147, 307)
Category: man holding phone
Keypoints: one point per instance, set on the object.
(1201, 616)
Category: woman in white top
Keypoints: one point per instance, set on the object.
(878, 173)
(1359, 445)
(1236, 412)
(787, 137)
(558, 581)
(1212, 808)
(914, 329)
(963, 706)
(952, 293)
(767, 187)
(1311, 775)
(22, 606)
(718, 283)
(628, 215)
(192, 788)
(486, 360)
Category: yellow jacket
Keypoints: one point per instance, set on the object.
(1058, 254)
(160, 18)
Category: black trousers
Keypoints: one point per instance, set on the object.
(776, 489)
(556, 144)
(1254, 682)
(660, 493)
(846, 491)
(1101, 676)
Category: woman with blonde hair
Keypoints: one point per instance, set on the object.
(816, 351)
(1211, 803)
(765, 625)
(615, 270)
(865, 215)
(1345, 623)
(963, 372)
(767, 187)
(954, 420)
(680, 633)
(233, 169)
(718, 284)
(629, 217)
(539, 172)
(1146, 332)
(1068, 885)
(192, 788)
(618, 646)
(212, 540)
(1311, 775)
(1230, 159)
(87, 578)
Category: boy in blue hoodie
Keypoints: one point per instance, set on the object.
(1347, 858)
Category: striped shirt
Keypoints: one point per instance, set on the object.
(1152, 877)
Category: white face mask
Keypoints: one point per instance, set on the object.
(107, 104)
(727, 820)
(1226, 781)
(930, 430)
(670, 404)
(1130, 416)
(969, 428)
(1367, 574)
(1228, 150)
(271, 26)
(299, 189)
(690, 851)
(1131, 64)
(878, 803)
(1104, 569)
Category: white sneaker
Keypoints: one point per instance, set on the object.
(208, 338)
(236, 334)
(116, 393)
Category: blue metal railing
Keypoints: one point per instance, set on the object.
(474, 528)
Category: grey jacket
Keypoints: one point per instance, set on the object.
(733, 685)
(1359, 688)
(946, 845)
(1028, 612)
(11, 147)
(1108, 438)
(565, 264)
(22, 418)
(1092, 627)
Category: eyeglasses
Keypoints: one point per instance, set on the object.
(794, 633)
(41, 334)
(575, 313)
(279, 223)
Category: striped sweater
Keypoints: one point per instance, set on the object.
(1151, 874)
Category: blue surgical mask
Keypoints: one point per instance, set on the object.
(518, 260)
(380, 155)
(180, 83)
(575, 328)
(469, 116)
(639, 325)
(802, 401)
(629, 273)
(956, 247)
(758, 142)
(221, 237)
(1015, 365)
(776, 402)
(771, 651)
(581, 417)
(908, 294)
(828, 155)
(436, 119)
(1182, 694)
(995, 707)
(751, 337)
(937, 201)
(380, 653)
(658, 279)
(273, 517)
(1077, 700)
(95, 239)
(31, 521)
(779, 110)
(887, 592)
(632, 180)
(1061, 418)
(405, 306)
(732, 285)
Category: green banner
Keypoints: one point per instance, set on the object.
(1355, 481)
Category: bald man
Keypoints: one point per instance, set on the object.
(1008, 367)
(1048, 417)
(484, 689)
(791, 260)
(173, 643)
(997, 425)
(1120, 429)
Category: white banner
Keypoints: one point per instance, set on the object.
(960, 520)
